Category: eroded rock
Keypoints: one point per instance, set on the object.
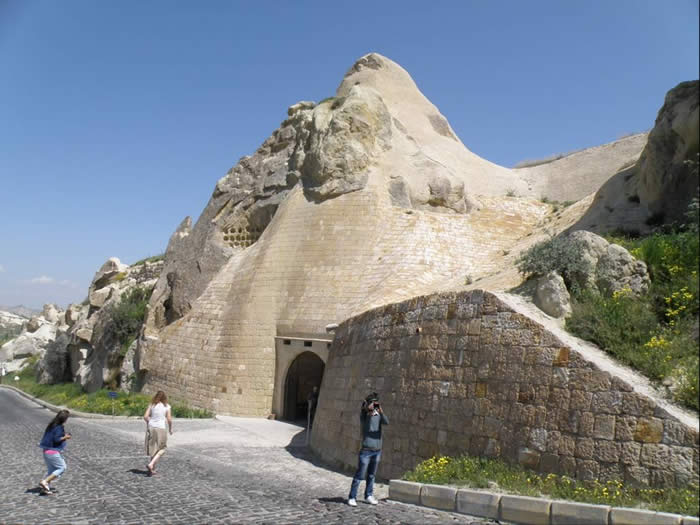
(552, 297)
(610, 267)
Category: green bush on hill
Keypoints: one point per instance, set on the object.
(560, 254)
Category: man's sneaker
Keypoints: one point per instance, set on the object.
(352, 502)
(371, 500)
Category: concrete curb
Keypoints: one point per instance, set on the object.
(77, 413)
(526, 510)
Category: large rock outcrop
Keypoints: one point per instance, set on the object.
(658, 188)
(86, 348)
(363, 198)
(609, 267)
(378, 133)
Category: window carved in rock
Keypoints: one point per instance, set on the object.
(241, 235)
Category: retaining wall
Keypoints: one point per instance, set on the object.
(464, 373)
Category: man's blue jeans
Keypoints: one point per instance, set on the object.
(367, 465)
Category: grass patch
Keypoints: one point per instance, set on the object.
(71, 395)
(479, 472)
(153, 258)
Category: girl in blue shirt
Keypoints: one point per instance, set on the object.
(53, 443)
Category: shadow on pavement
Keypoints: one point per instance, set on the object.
(139, 472)
(333, 500)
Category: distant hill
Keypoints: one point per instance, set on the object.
(20, 310)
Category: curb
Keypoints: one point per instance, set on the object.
(77, 413)
(526, 510)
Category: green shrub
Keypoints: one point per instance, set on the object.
(563, 255)
(128, 316)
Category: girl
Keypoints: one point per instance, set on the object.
(157, 413)
(53, 443)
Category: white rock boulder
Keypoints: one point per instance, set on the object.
(552, 297)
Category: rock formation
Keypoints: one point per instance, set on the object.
(658, 188)
(609, 267)
(274, 254)
(37, 333)
(551, 295)
(11, 324)
(84, 346)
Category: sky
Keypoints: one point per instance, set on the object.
(118, 118)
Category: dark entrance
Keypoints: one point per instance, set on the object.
(305, 372)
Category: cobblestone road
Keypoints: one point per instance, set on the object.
(199, 480)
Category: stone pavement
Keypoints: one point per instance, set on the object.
(233, 470)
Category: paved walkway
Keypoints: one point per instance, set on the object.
(232, 470)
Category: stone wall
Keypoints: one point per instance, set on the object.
(464, 373)
(146, 271)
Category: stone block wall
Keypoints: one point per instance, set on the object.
(146, 271)
(464, 373)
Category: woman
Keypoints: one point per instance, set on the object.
(53, 443)
(157, 413)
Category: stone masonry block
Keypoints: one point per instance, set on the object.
(404, 491)
(649, 430)
(691, 520)
(477, 503)
(438, 497)
(625, 427)
(584, 448)
(620, 516)
(568, 512)
(604, 427)
(629, 453)
(525, 510)
(655, 456)
(586, 424)
(607, 451)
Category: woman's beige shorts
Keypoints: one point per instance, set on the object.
(156, 439)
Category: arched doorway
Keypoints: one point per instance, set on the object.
(305, 372)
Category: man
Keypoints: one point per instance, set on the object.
(371, 420)
(312, 400)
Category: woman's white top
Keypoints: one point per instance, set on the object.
(158, 412)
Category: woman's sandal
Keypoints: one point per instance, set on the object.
(45, 489)
(151, 471)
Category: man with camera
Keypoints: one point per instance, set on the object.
(371, 420)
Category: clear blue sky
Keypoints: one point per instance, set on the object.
(117, 118)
